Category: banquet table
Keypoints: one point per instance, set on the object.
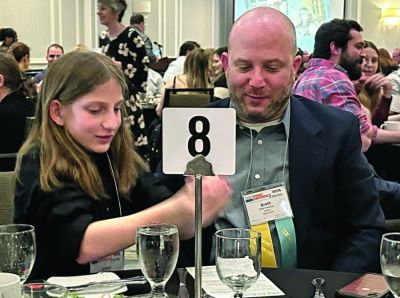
(295, 283)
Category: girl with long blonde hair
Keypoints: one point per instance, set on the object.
(80, 182)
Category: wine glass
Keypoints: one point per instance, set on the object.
(158, 249)
(238, 258)
(17, 249)
(390, 261)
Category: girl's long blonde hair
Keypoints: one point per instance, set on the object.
(61, 157)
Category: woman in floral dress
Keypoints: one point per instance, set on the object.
(126, 48)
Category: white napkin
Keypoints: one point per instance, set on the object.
(214, 287)
(92, 292)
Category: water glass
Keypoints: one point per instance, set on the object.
(17, 249)
(238, 258)
(390, 261)
(43, 290)
(158, 249)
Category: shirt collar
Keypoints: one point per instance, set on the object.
(285, 119)
(318, 62)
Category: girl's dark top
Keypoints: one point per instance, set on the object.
(61, 216)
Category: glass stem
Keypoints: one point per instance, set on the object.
(158, 291)
(238, 295)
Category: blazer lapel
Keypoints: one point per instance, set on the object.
(306, 152)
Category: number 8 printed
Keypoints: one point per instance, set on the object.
(201, 135)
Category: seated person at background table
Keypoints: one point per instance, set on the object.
(195, 75)
(336, 62)
(80, 182)
(7, 37)
(21, 53)
(286, 142)
(374, 90)
(386, 62)
(175, 68)
(219, 81)
(14, 108)
(54, 51)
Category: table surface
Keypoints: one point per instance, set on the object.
(295, 283)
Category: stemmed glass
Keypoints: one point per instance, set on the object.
(238, 258)
(158, 249)
(17, 249)
(390, 261)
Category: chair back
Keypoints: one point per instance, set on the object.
(6, 198)
(188, 97)
(7, 161)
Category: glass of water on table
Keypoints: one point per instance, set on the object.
(158, 250)
(390, 261)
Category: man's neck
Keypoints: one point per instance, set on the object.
(137, 26)
(335, 59)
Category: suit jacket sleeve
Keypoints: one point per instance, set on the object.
(358, 204)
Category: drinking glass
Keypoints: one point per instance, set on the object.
(390, 261)
(17, 249)
(43, 290)
(238, 258)
(158, 249)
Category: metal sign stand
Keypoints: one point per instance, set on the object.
(198, 167)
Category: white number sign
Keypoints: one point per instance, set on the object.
(187, 132)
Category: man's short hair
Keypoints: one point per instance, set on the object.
(56, 45)
(221, 50)
(188, 46)
(338, 31)
(136, 19)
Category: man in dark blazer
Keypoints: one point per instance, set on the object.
(310, 150)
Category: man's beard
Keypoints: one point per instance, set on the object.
(275, 108)
(353, 68)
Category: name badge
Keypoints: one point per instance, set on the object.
(267, 203)
(110, 263)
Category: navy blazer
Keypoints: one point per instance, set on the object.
(337, 216)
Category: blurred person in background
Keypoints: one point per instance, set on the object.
(21, 53)
(7, 37)
(137, 24)
(219, 81)
(14, 108)
(195, 75)
(386, 62)
(175, 68)
(124, 45)
(374, 90)
(53, 52)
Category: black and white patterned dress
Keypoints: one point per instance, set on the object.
(129, 49)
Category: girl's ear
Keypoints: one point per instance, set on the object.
(1, 80)
(55, 112)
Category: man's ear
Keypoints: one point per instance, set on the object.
(55, 112)
(224, 60)
(335, 51)
(297, 60)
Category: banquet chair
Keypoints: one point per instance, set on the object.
(6, 198)
(392, 225)
(188, 97)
